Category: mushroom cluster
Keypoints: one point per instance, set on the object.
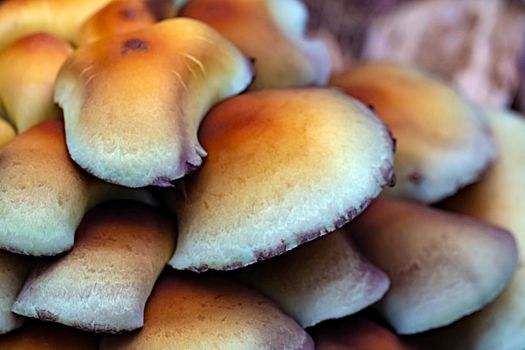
(196, 175)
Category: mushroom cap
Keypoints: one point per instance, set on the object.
(443, 143)
(442, 266)
(356, 334)
(186, 312)
(118, 17)
(324, 279)
(499, 199)
(47, 336)
(61, 18)
(44, 195)
(284, 167)
(102, 285)
(13, 272)
(28, 70)
(272, 33)
(7, 133)
(133, 103)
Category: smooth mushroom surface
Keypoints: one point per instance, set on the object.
(443, 142)
(442, 266)
(35, 335)
(133, 103)
(190, 312)
(272, 33)
(283, 168)
(28, 70)
(102, 285)
(324, 279)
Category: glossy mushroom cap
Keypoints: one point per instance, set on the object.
(272, 33)
(284, 167)
(118, 17)
(324, 279)
(102, 285)
(61, 18)
(188, 312)
(443, 143)
(13, 272)
(442, 265)
(133, 103)
(28, 70)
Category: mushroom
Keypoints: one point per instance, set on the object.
(44, 195)
(102, 285)
(210, 313)
(442, 266)
(498, 198)
(133, 103)
(118, 17)
(272, 33)
(284, 167)
(47, 336)
(443, 143)
(356, 334)
(61, 18)
(29, 68)
(13, 272)
(324, 279)
(7, 133)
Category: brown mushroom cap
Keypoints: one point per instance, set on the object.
(284, 167)
(102, 285)
(118, 17)
(272, 33)
(28, 70)
(442, 266)
(357, 334)
(133, 103)
(324, 279)
(47, 336)
(188, 312)
(61, 18)
(443, 143)
(13, 272)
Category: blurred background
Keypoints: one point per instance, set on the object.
(477, 45)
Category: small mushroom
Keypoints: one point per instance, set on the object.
(61, 18)
(13, 272)
(284, 167)
(272, 32)
(102, 285)
(29, 67)
(204, 312)
(442, 266)
(118, 17)
(324, 279)
(443, 143)
(133, 103)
